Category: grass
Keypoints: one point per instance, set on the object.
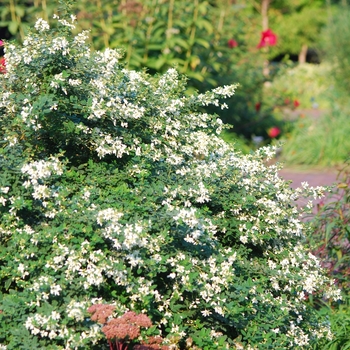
(322, 141)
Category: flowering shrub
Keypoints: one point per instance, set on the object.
(116, 189)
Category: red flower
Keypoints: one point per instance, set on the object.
(273, 132)
(296, 103)
(2, 65)
(258, 106)
(268, 38)
(232, 43)
(1, 43)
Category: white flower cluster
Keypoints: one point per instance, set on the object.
(76, 309)
(41, 25)
(40, 170)
(45, 325)
(125, 237)
(4, 190)
(213, 97)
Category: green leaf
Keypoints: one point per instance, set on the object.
(203, 23)
(202, 42)
(8, 283)
(13, 27)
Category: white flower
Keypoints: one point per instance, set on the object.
(243, 239)
(4, 189)
(3, 201)
(86, 195)
(41, 25)
(74, 82)
(76, 310)
(22, 269)
(206, 313)
(55, 289)
(55, 315)
(60, 44)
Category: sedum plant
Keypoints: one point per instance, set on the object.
(116, 189)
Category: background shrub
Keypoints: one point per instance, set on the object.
(322, 140)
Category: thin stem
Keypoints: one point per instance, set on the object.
(103, 25)
(128, 54)
(15, 18)
(221, 20)
(13, 11)
(265, 26)
(149, 31)
(170, 19)
(121, 346)
(111, 347)
(264, 14)
(44, 7)
(192, 36)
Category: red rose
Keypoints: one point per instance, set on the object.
(258, 106)
(296, 103)
(273, 132)
(232, 43)
(268, 38)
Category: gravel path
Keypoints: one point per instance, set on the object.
(313, 177)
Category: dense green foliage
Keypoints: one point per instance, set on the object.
(116, 188)
(193, 36)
